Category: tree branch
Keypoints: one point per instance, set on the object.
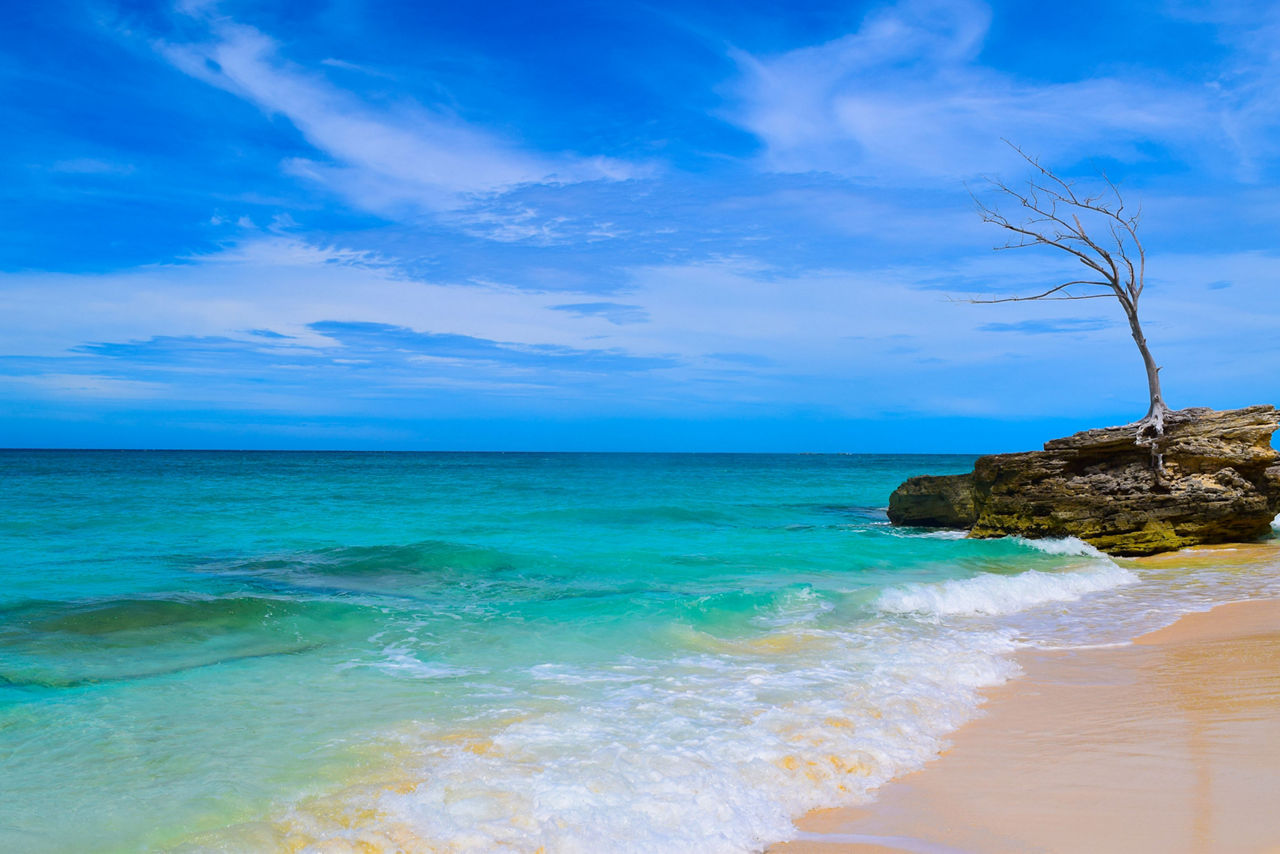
(1046, 294)
(1056, 215)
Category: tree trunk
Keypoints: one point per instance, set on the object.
(1151, 426)
(1157, 407)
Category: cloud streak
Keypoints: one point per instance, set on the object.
(337, 329)
(1056, 326)
(906, 98)
(619, 314)
(383, 340)
(390, 160)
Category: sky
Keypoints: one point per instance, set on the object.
(694, 226)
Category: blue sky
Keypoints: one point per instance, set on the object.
(623, 226)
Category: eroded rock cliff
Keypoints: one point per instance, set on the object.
(1220, 483)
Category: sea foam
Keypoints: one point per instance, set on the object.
(996, 595)
(941, 535)
(713, 753)
(1065, 546)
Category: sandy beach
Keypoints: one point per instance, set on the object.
(1169, 744)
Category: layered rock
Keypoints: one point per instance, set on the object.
(1220, 482)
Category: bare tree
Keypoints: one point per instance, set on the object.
(1054, 214)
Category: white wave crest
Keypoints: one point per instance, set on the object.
(1062, 546)
(1002, 594)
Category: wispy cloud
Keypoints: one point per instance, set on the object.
(383, 339)
(335, 328)
(350, 361)
(907, 97)
(1055, 326)
(86, 386)
(616, 313)
(385, 159)
(353, 66)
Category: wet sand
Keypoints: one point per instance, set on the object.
(1171, 744)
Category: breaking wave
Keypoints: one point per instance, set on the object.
(1063, 546)
(995, 595)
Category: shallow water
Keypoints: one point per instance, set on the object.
(471, 652)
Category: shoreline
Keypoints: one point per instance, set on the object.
(1170, 743)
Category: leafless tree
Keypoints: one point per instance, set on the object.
(1097, 232)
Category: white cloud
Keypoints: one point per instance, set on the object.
(265, 281)
(383, 159)
(844, 340)
(905, 98)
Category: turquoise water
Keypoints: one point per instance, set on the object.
(476, 652)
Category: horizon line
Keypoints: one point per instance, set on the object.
(491, 451)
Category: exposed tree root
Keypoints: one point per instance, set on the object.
(1149, 430)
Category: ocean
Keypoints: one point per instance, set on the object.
(225, 651)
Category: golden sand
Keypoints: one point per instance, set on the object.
(1169, 745)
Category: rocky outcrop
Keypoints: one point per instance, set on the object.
(934, 501)
(1220, 482)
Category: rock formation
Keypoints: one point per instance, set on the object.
(1220, 482)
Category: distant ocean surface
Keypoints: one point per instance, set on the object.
(479, 652)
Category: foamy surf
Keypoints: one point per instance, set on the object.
(945, 534)
(1063, 546)
(708, 753)
(996, 595)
